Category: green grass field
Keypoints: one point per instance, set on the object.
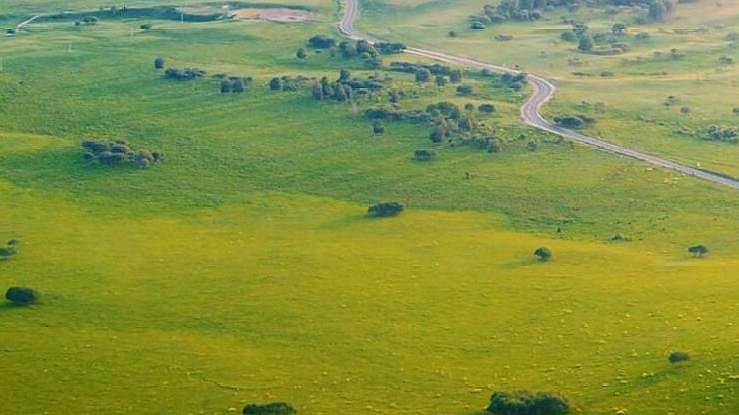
(244, 269)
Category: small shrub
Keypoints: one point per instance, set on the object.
(543, 254)
(159, 63)
(424, 154)
(274, 408)
(378, 128)
(21, 295)
(486, 108)
(465, 90)
(677, 357)
(477, 25)
(145, 27)
(503, 37)
(527, 403)
(698, 250)
(385, 209)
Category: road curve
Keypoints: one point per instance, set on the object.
(530, 111)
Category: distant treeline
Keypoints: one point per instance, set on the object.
(162, 12)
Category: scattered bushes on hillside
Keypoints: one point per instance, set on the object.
(118, 153)
(677, 357)
(187, 74)
(274, 408)
(385, 209)
(527, 403)
(719, 133)
(543, 254)
(348, 88)
(21, 295)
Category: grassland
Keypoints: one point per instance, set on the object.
(243, 268)
(634, 92)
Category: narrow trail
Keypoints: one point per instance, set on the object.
(531, 109)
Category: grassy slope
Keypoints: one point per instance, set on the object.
(631, 93)
(184, 288)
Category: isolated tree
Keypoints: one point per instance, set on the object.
(423, 75)
(543, 254)
(393, 97)
(378, 128)
(698, 250)
(586, 43)
(440, 80)
(423, 154)
(344, 75)
(21, 295)
(275, 84)
(159, 63)
(300, 54)
(677, 357)
(145, 27)
(385, 209)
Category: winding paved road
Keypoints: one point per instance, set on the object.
(530, 111)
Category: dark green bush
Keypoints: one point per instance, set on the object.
(677, 357)
(527, 403)
(21, 295)
(423, 154)
(274, 408)
(385, 209)
(486, 108)
(543, 254)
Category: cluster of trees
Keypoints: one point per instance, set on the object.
(288, 83)
(510, 80)
(118, 152)
(573, 121)
(346, 88)
(274, 408)
(9, 250)
(389, 48)
(385, 209)
(719, 133)
(527, 403)
(21, 295)
(424, 73)
(519, 10)
(187, 74)
(362, 49)
(586, 41)
(234, 84)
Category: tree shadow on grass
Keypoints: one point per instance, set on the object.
(7, 306)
